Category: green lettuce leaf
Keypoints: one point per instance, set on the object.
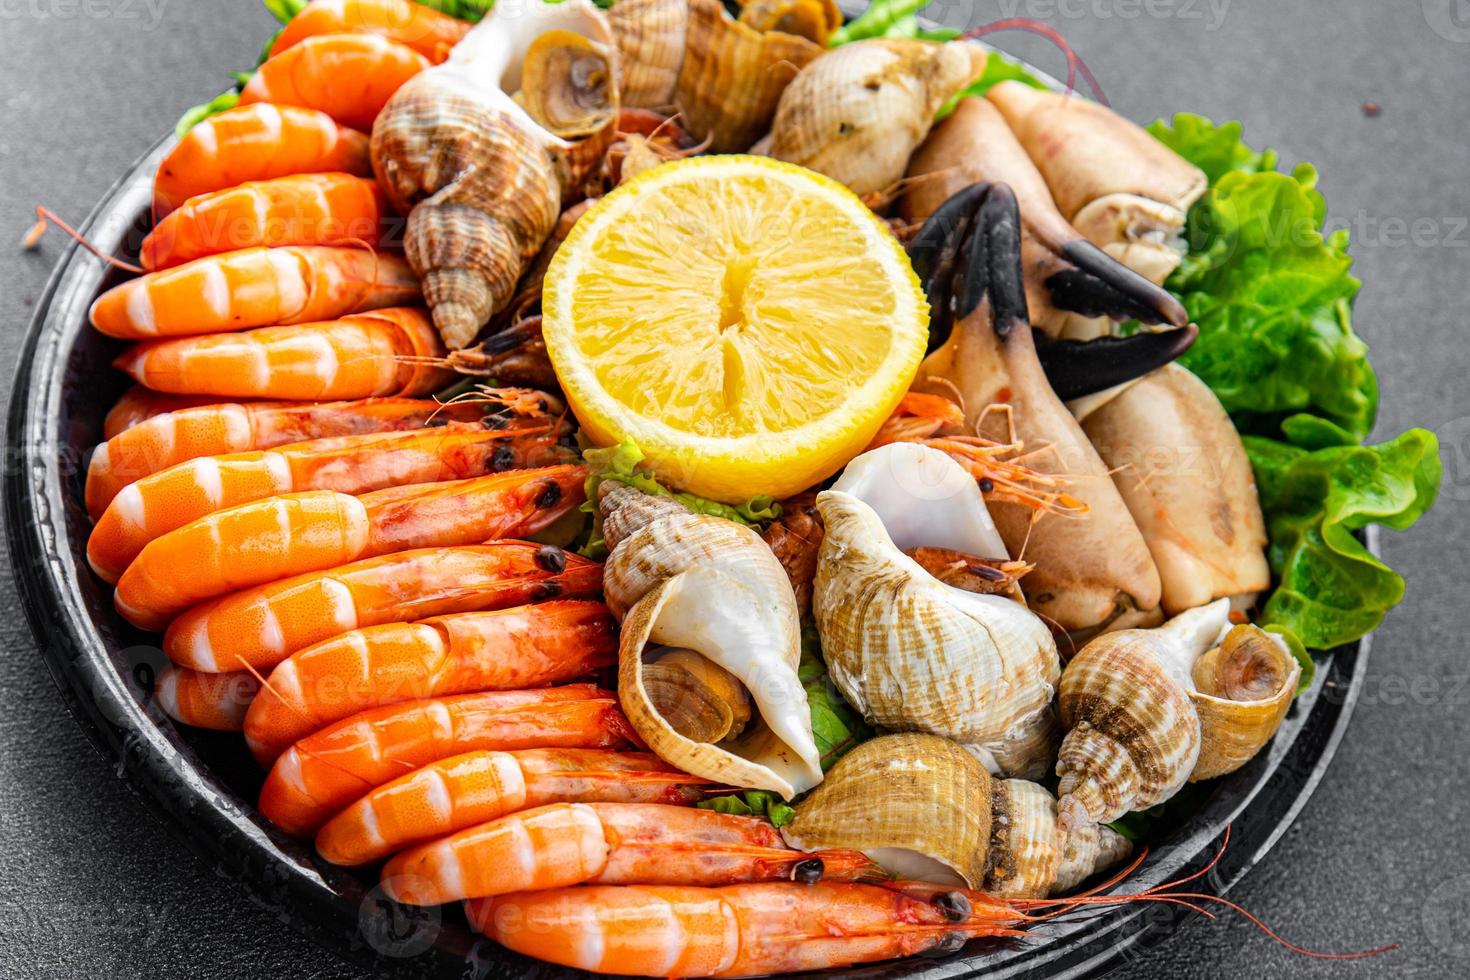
(284, 10)
(1315, 494)
(1217, 150)
(621, 463)
(836, 726)
(883, 18)
(1273, 300)
(751, 803)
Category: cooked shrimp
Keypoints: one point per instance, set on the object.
(738, 930)
(276, 538)
(256, 142)
(565, 844)
(260, 627)
(167, 500)
(300, 209)
(350, 77)
(319, 775)
(465, 790)
(212, 430)
(215, 701)
(139, 404)
(254, 287)
(422, 28)
(385, 352)
(503, 650)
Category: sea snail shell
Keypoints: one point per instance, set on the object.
(724, 76)
(925, 809)
(858, 112)
(909, 652)
(711, 588)
(482, 165)
(1148, 710)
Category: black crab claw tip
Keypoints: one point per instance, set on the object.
(1083, 367)
(1102, 286)
(970, 250)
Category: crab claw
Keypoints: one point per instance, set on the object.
(1092, 569)
(967, 253)
(1084, 367)
(1064, 271)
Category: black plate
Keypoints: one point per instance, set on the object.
(203, 784)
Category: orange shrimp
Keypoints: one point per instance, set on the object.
(299, 209)
(317, 777)
(167, 500)
(256, 142)
(503, 650)
(563, 844)
(422, 28)
(258, 628)
(350, 77)
(254, 287)
(739, 930)
(268, 540)
(213, 430)
(216, 701)
(139, 404)
(465, 790)
(385, 352)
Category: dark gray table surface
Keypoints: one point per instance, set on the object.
(90, 885)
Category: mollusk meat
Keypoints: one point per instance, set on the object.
(708, 615)
(482, 174)
(1197, 508)
(925, 810)
(908, 651)
(1140, 707)
(857, 113)
(724, 76)
(1121, 188)
(815, 20)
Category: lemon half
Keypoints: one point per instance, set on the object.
(749, 323)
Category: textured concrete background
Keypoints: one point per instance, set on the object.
(90, 885)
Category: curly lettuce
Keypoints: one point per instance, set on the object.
(1317, 489)
(1273, 299)
(1272, 295)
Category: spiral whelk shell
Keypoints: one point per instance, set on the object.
(925, 809)
(690, 588)
(1148, 710)
(910, 652)
(482, 165)
(724, 76)
(858, 112)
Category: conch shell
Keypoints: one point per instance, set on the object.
(1148, 710)
(924, 809)
(459, 148)
(724, 76)
(1197, 509)
(1117, 185)
(857, 113)
(909, 652)
(709, 587)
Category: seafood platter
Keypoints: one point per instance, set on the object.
(682, 489)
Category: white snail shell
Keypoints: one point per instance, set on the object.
(909, 652)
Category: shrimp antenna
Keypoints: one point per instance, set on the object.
(45, 216)
(1075, 64)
